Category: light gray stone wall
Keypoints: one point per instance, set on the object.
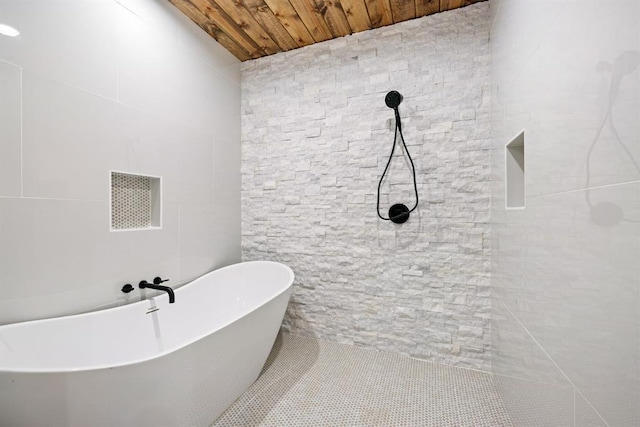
(316, 136)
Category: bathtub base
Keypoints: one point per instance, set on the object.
(190, 387)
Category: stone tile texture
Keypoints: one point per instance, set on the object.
(308, 382)
(316, 136)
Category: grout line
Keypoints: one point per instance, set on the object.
(10, 63)
(541, 383)
(591, 406)
(581, 190)
(179, 208)
(118, 50)
(127, 9)
(21, 134)
(52, 198)
(574, 407)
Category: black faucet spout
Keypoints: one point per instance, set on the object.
(144, 284)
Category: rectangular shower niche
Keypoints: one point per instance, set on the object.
(135, 202)
(514, 173)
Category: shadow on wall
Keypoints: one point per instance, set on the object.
(608, 214)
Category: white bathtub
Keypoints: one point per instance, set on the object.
(181, 365)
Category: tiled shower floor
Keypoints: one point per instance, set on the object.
(313, 383)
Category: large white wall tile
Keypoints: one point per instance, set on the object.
(73, 41)
(10, 130)
(70, 140)
(199, 44)
(59, 256)
(163, 17)
(158, 75)
(181, 155)
(206, 242)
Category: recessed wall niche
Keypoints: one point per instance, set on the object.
(514, 173)
(135, 202)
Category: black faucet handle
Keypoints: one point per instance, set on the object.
(158, 280)
(127, 288)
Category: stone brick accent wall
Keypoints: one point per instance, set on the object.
(316, 135)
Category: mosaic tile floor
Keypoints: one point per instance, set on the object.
(313, 383)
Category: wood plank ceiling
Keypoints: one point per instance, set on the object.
(253, 28)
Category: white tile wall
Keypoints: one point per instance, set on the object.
(10, 130)
(111, 85)
(315, 141)
(566, 267)
(67, 133)
(165, 81)
(72, 41)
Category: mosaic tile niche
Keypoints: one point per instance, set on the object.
(135, 201)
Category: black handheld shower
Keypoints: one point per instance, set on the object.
(393, 99)
(398, 213)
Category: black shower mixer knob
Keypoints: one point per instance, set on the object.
(399, 213)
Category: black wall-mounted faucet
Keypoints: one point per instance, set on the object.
(156, 285)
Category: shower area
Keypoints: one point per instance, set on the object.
(522, 118)
(503, 290)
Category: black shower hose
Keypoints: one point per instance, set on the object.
(398, 130)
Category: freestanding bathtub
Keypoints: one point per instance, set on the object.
(150, 363)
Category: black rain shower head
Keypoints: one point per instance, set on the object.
(393, 99)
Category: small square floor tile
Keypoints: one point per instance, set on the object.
(313, 383)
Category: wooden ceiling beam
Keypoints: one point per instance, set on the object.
(290, 20)
(215, 14)
(403, 10)
(243, 18)
(454, 4)
(450, 4)
(334, 16)
(427, 7)
(313, 19)
(357, 15)
(379, 13)
(271, 24)
(203, 22)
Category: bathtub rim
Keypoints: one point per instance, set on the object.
(166, 352)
